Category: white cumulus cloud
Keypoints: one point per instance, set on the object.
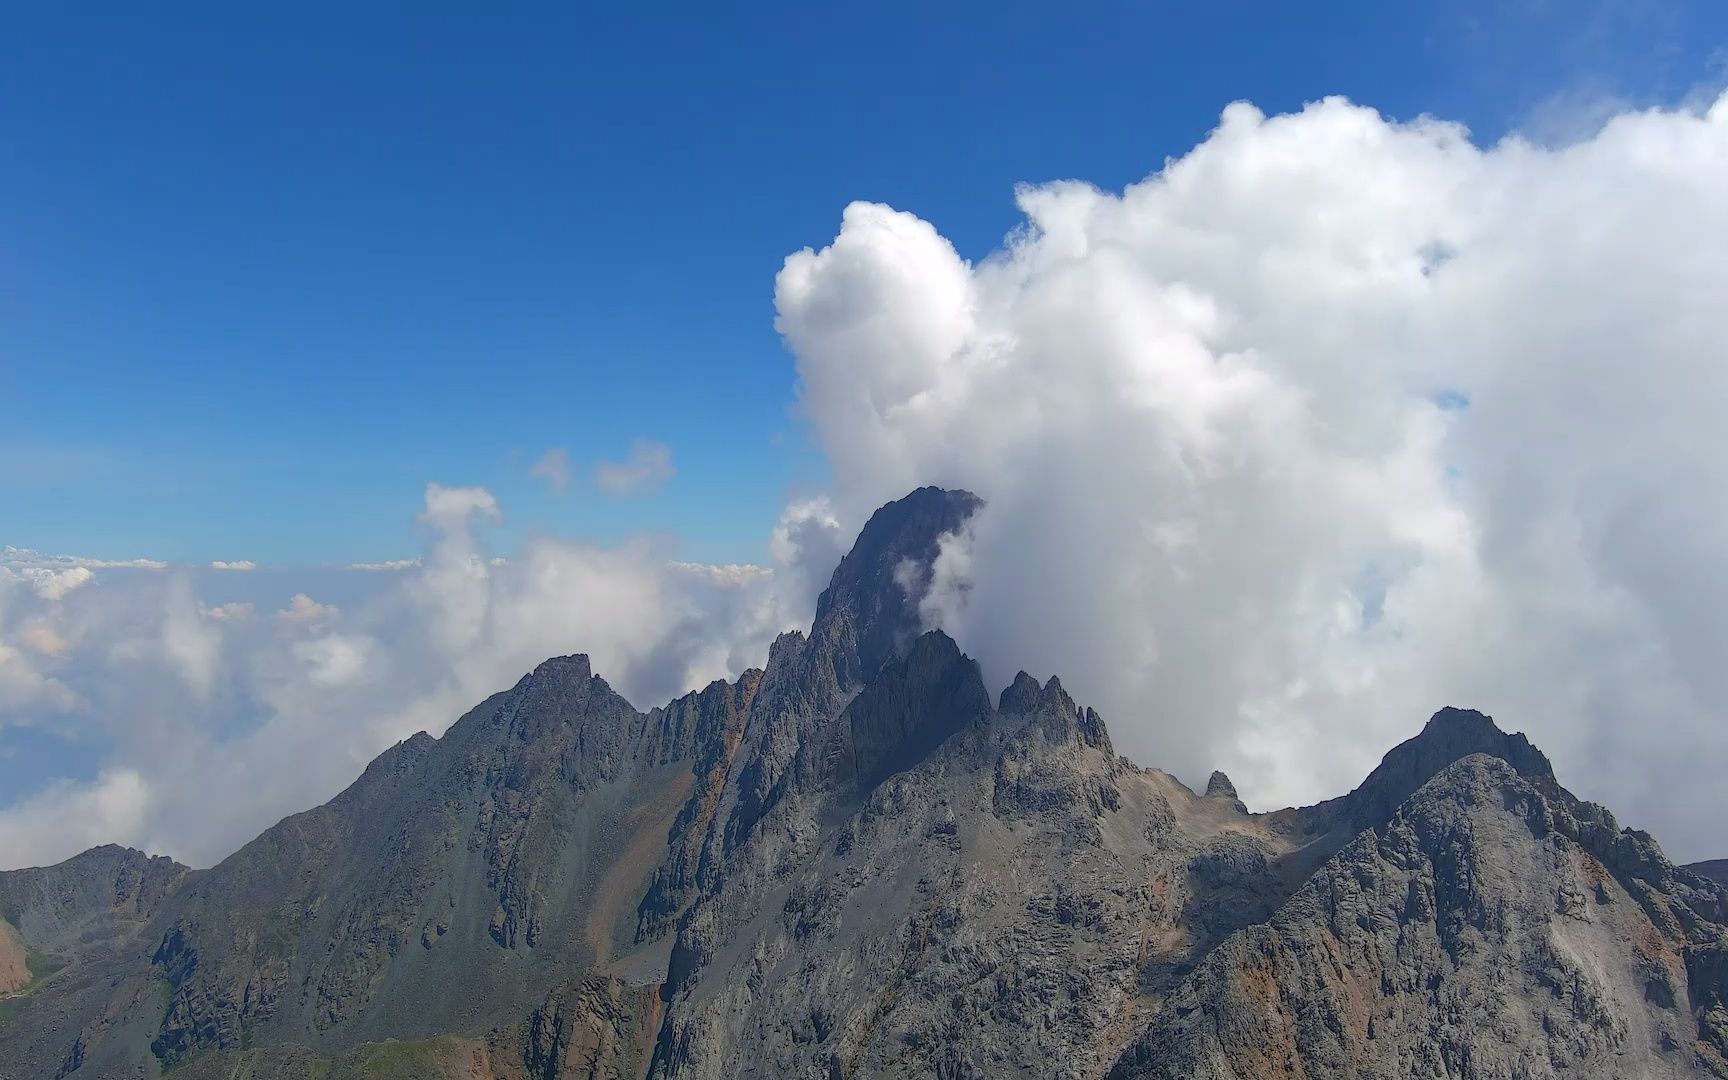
(1327, 423)
(303, 609)
(232, 611)
(53, 584)
(446, 505)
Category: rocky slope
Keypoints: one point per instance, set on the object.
(15, 972)
(858, 862)
(68, 935)
(90, 904)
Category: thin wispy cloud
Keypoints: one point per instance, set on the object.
(646, 468)
(18, 557)
(553, 467)
(390, 564)
(230, 612)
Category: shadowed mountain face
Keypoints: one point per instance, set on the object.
(855, 863)
(1714, 869)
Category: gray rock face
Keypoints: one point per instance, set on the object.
(90, 903)
(1480, 931)
(853, 864)
(869, 612)
(79, 928)
(1220, 787)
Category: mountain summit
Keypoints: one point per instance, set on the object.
(858, 862)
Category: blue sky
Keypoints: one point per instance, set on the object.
(264, 274)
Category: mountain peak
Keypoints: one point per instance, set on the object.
(574, 666)
(869, 612)
(400, 758)
(1020, 696)
(912, 706)
(1450, 717)
(1461, 732)
(1450, 735)
(1055, 694)
(1218, 786)
(1063, 717)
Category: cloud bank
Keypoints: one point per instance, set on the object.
(1328, 423)
(202, 704)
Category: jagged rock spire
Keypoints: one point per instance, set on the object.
(867, 615)
(1219, 786)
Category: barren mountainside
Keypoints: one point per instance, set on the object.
(859, 861)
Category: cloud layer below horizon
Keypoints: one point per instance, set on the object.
(263, 710)
(1330, 422)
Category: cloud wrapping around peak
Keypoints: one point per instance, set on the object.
(648, 466)
(1330, 422)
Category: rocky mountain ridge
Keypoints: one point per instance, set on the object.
(855, 862)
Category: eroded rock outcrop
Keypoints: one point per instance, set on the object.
(1473, 933)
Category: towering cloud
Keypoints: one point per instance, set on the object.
(1329, 422)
